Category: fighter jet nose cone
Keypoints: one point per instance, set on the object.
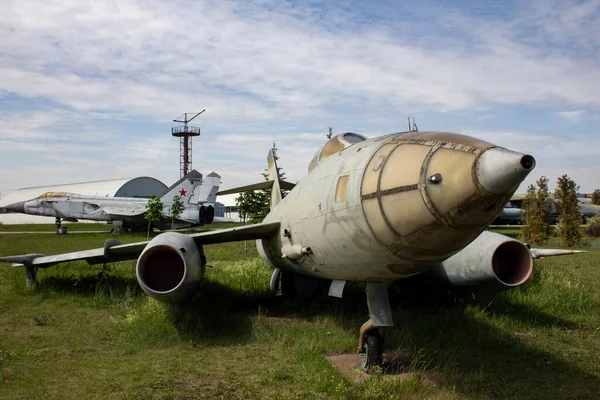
(500, 170)
(16, 207)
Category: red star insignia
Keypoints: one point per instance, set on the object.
(182, 192)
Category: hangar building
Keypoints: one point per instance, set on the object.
(129, 187)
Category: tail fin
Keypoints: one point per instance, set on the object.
(183, 188)
(208, 191)
(273, 176)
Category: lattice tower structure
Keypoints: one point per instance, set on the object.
(185, 134)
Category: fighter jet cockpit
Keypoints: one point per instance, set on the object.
(49, 195)
(334, 145)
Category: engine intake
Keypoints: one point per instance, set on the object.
(170, 267)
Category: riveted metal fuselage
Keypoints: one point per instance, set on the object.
(385, 208)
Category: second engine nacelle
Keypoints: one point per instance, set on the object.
(492, 261)
(170, 267)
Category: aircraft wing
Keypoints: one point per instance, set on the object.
(543, 253)
(113, 251)
(129, 211)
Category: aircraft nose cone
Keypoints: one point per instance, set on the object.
(16, 207)
(500, 170)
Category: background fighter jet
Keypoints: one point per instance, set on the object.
(197, 194)
(370, 210)
(509, 216)
(586, 209)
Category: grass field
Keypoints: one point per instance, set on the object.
(71, 227)
(91, 333)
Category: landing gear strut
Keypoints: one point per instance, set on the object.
(370, 342)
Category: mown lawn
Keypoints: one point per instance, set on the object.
(92, 333)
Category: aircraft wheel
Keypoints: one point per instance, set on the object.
(288, 285)
(370, 355)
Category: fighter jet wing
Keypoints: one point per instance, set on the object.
(128, 211)
(113, 251)
(542, 253)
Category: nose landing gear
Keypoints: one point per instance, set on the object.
(370, 342)
(370, 347)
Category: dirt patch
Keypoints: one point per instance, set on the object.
(395, 366)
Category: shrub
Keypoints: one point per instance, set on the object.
(570, 218)
(536, 229)
(593, 226)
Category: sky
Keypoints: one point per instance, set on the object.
(89, 88)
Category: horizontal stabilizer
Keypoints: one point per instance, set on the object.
(257, 186)
(540, 253)
(114, 252)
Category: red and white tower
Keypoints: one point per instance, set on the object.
(185, 134)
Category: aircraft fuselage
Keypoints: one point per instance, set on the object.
(393, 206)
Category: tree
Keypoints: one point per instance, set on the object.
(596, 197)
(254, 205)
(154, 210)
(176, 209)
(535, 213)
(570, 218)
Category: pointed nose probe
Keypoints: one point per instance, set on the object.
(500, 170)
(16, 207)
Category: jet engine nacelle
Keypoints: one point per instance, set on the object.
(207, 214)
(492, 261)
(170, 267)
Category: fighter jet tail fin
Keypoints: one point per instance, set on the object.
(207, 193)
(184, 188)
(273, 176)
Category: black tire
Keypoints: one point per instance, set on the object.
(288, 285)
(370, 356)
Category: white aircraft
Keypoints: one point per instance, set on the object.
(369, 210)
(197, 193)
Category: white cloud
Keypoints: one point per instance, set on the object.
(572, 116)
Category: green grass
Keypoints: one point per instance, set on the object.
(78, 227)
(91, 227)
(88, 332)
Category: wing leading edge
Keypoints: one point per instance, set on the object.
(114, 251)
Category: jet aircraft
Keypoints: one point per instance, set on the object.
(587, 210)
(375, 210)
(508, 216)
(198, 195)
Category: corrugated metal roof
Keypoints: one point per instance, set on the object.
(97, 188)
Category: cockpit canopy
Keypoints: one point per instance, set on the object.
(48, 195)
(335, 145)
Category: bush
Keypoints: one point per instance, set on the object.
(535, 228)
(570, 218)
(593, 226)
